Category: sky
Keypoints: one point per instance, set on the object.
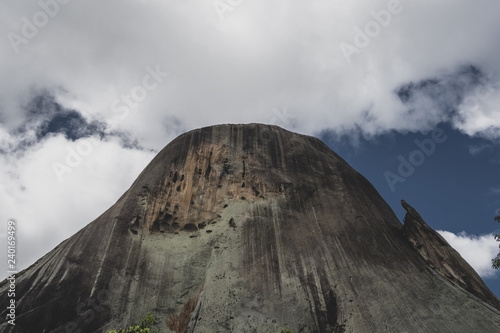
(405, 91)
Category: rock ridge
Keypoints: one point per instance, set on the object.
(443, 258)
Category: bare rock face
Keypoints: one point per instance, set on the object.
(442, 258)
(253, 228)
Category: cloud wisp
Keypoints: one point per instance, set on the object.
(476, 250)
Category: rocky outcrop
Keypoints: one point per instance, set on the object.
(442, 258)
(274, 228)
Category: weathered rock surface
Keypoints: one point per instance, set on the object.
(441, 257)
(274, 229)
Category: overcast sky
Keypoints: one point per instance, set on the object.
(90, 91)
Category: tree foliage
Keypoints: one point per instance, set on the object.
(496, 261)
(143, 327)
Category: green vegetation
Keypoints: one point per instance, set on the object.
(143, 327)
(339, 328)
(496, 261)
(285, 330)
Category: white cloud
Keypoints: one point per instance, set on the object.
(47, 210)
(478, 149)
(476, 250)
(261, 56)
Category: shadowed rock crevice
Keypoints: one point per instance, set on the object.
(134, 225)
(163, 223)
